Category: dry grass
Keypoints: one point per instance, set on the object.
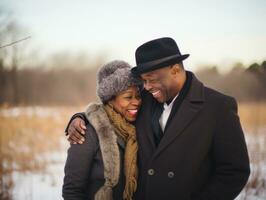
(252, 116)
(26, 138)
(253, 119)
(28, 135)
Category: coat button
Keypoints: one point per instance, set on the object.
(151, 172)
(171, 174)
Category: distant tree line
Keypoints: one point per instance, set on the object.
(70, 79)
(64, 78)
(55, 86)
(245, 83)
(72, 86)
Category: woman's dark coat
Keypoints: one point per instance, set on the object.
(84, 169)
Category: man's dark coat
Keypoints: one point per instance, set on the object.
(202, 154)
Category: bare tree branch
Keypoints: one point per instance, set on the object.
(10, 44)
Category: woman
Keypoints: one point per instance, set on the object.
(105, 166)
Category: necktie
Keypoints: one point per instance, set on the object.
(157, 130)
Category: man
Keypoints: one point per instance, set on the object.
(191, 144)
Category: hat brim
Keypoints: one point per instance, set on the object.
(157, 64)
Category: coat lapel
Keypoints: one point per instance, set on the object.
(144, 130)
(189, 108)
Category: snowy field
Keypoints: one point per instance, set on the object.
(33, 152)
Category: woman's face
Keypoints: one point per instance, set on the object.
(127, 103)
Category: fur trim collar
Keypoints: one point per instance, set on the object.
(98, 118)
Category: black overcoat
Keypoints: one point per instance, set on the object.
(202, 154)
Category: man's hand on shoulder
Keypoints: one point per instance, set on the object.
(76, 131)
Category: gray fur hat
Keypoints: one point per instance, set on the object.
(113, 78)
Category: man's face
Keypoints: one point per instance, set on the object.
(160, 83)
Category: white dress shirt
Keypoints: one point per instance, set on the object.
(166, 112)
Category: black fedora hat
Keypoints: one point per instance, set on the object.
(156, 54)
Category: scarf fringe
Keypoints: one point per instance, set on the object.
(104, 193)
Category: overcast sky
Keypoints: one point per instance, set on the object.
(213, 32)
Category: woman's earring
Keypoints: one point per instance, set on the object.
(111, 105)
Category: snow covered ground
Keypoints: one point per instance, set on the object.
(47, 184)
(43, 185)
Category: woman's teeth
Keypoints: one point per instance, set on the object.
(133, 112)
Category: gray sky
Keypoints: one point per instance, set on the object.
(218, 32)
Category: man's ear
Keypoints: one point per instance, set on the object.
(175, 69)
